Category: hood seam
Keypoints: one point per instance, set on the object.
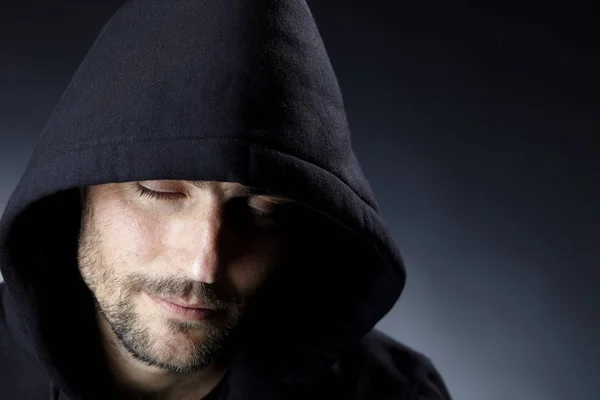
(186, 138)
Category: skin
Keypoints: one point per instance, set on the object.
(209, 243)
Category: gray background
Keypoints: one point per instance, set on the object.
(477, 129)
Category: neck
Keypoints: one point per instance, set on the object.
(137, 380)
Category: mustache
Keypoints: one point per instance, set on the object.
(176, 287)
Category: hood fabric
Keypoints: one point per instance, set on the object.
(204, 90)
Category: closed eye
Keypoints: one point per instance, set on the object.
(245, 202)
(243, 208)
(144, 191)
(260, 213)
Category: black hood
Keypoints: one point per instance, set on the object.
(204, 90)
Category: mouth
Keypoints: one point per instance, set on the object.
(182, 310)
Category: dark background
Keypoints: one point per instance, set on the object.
(477, 127)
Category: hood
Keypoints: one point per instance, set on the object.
(201, 90)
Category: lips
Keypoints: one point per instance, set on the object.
(186, 305)
(182, 310)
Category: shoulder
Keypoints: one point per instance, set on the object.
(380, 367)
(20, 374)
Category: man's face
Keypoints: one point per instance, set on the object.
(172, 264)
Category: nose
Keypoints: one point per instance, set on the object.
(207, 264)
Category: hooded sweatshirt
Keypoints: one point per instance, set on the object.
(222, 91)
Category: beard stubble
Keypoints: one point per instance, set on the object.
(181, 347)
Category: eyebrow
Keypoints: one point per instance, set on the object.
(199, 184)
(242, 191)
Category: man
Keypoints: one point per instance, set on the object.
(193, 223)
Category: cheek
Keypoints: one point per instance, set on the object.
(256, 264)
(131, 235)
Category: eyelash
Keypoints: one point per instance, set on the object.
(144, 191)
(158, 195)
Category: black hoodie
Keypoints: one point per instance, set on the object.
(224, 91)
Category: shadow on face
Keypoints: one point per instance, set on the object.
(146, 246)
